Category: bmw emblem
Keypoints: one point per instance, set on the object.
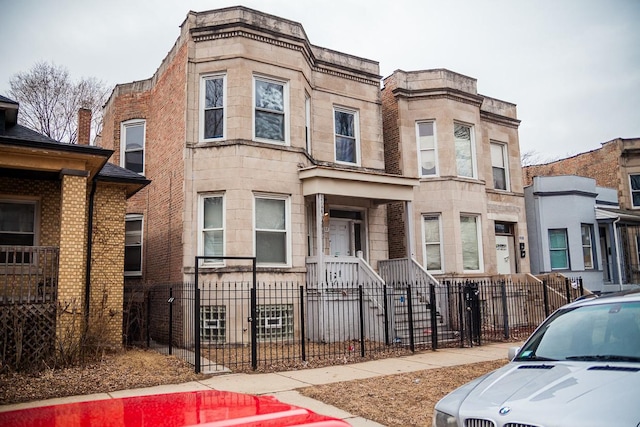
(504, 410)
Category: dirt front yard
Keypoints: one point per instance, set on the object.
(394, 400)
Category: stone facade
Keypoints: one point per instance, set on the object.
(442, 99)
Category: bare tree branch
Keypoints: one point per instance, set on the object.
(49, 101)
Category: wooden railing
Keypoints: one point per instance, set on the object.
(341, 270)
(28, 274)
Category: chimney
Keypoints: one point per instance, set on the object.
(84, 126)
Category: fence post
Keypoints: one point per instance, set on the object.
(303, 349)
(170, 320)
(196, 326)
(434, 320)
(412, 345)
(254, 329)
(545, 297)
(386, 315)
(461, 308)
(581, 286)
(148, 320)
(361, 301)
(567, 289)
(505, 309)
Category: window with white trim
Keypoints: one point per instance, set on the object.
(346, 131)
(211, 226)
(634, 183)
(133, 245)
(465, 152)
(132, 142)
(432, 242)
(272, 230)
(587, 246)
(270, 110)
(275, 321)
(213, 323)
(427, 150)
(499, 166)
(470, 237)
(17, 228)
(212, 106)
(559, 249)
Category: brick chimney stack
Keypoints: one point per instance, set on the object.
(84, 126)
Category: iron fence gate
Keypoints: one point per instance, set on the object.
(250, 326)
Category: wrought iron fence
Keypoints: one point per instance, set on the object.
(282, 326)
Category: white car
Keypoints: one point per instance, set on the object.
(581, 367)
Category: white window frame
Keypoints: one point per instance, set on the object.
(505, 164)
(131, 218)
(202, 107)
(275, 327)
(434, 149)
(565, 249)
(285, 113)
(356, 131)
(202, 230)
(425, 261)
(474, 169)
(213, 324)
(478, 221)
(633, 191)
(123, 142)
(588, 247)
(287, 230)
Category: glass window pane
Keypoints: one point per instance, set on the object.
(270, 214)
(470, 250)
(213, 120)
(559, 259)
(17, 217)
(269, 96)
(132, 258)
(635, 182)
(344, 123)
(134, 136)
(214, 93)
(213, 243)
(425, 132)
(271, 247)
(557, 239)
(269, 126)
(133, 161)
(464, 166)
(499, 180)
(212, 212)
(497, 155)
(345, 149)
(428, 165)
(433, 257)
(431, 230)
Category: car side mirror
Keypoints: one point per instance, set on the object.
(512, 352)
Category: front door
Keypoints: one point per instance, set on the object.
(504, 254)
(339, 237)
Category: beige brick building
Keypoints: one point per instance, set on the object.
(62, 210)
(468, 217)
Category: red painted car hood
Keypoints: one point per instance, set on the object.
(203, 408)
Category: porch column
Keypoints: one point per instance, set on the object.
(71, 276)
(409, 229)
(320, 236)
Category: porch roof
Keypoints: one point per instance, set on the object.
(624, 215)
(378, 186)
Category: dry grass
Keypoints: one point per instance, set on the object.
(395, 400)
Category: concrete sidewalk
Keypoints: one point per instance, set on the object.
(283, 385)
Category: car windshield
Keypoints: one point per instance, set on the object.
(597, 332)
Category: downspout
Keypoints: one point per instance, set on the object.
(615, 240)
(87, 279)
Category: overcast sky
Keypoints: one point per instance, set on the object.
(571, 66)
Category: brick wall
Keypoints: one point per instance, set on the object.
(601, 164)
(161, 101)
(393, 160)
(107, 264)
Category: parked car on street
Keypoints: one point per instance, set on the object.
(205, 408)
(580, 367)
